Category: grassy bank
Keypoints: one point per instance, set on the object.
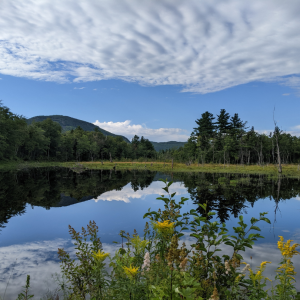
(289, 170)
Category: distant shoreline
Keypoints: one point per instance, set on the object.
(289, 170)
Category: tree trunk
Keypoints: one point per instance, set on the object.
(278, 156)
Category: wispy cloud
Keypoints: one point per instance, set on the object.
(157, 135)
(285, 94)
(81, 88)
(202, 46)
(95, 89)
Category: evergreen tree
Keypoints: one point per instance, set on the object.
(237, 123)
(206, 126)
(223, 121)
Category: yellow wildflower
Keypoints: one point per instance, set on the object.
(286, 249)
(138, 244)
(259, 274)
(100, 256)
(131, 271)
(165, 227)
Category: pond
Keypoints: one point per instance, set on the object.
(36, 207)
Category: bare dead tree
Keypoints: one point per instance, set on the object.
(277, 132)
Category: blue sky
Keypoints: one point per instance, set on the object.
(152, 67)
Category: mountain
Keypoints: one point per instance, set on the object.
(68, 123)
(167, 145)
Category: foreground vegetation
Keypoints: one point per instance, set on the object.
(158, 266)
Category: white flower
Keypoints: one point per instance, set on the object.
(146, 264)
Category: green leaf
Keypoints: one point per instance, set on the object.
(266, 220)
(253, 220)
(255, 228)
(169, 183)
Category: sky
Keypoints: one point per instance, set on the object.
(152, 68)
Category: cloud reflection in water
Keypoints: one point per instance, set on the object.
(40, 261)
(128, 193)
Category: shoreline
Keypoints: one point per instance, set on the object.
(288, 170)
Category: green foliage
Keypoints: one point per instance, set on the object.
(227, 141)
(44, 139)
(25, 295)
(155, 267)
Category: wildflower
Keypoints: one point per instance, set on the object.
(131, 271)
(183, 264)
(215, 295)
(246, 268)
(259, 275)
(227, 267)
(165, 227)
(100, 256)
(239, 277)
(286, 249)
(146, 264)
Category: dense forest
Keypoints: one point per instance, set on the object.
(221, 139)
(226, 139)
(46, 141)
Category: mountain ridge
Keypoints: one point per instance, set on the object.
(68, 123)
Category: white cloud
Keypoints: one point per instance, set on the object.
(95, 89)
(285, 94)
(202, 46)
(294, 131)
(128, 193)
(81, 88)
(158, 135)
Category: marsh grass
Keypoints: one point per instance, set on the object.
(288, 170)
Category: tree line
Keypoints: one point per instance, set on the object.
(46, 141)
(222, 139)
(226, 139)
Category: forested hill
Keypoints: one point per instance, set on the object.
(68, 123)
(158, 146)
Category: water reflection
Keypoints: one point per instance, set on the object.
(37, 206)
(39, 259)
(227, 194)
(231, 194)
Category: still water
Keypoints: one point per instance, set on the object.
(37, 206)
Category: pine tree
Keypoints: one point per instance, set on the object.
(223, 121)
(206, 126)
(237, 123)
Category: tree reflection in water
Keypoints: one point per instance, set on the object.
(227, 194)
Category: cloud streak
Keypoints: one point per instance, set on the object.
(157, 135)
(201, 46)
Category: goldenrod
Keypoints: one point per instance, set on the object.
(131, 271)
(165, 227)
(100, 256)
(286, 249)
